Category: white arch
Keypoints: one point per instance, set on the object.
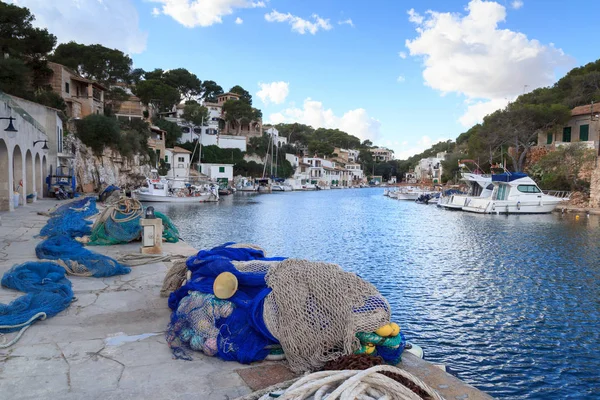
(18, 166)
(29, 182)
(39, 182)
(5, 177)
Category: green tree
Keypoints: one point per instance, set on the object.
(156, 92)
(210, 91)
(173, 131)
(94, 61)
(295, 132)
(187, 84)
(98, 131)
(113, 99)
(23, 48)
(136, 75)
(238, 113)
(244, 94)
(51, 99)
(157, 74)
(195, 114)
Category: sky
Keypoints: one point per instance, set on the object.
(403, 74)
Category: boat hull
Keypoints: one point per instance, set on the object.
(149, 198)
(486, 206)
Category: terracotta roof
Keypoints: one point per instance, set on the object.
(587, 109)
(180, 150)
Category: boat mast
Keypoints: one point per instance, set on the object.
(198, 142)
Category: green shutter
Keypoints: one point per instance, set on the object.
(566, 134)
(221, 169)
(584, 133)
(549, 138)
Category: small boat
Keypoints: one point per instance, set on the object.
(410, 193)
(163, 190)
(281, 187)
(513, 193)
(428, 198)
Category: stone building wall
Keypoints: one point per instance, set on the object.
(595, 188)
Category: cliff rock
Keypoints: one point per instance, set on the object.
(94, 172)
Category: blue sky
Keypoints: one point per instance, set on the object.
(462, 60)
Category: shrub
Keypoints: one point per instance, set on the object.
(98, 131)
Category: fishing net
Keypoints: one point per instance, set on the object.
(120, 223)
(231, 329)
(48, 292)
(77, 260)
(312, 310)
(70, 219)
(315, 310)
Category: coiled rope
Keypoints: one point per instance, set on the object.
(368, 384)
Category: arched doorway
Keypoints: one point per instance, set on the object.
(18, 173)
(39, 182)
(44, 175)
(29, 182)
(5, 186)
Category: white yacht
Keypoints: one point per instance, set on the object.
(164, 190)
(513, 193)
(480, 186)
(408, 193)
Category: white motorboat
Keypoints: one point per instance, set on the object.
(281, 187)
(246, 185)
(514, 193)
(409, 193)
(480, 187)
(163, 190)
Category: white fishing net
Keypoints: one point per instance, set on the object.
(254, 265)
(315, 310)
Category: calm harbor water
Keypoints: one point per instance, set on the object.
(510, 303)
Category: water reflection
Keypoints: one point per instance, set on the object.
(508, 302)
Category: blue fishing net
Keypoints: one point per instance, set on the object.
(47, 288)
(232, 329)
(77, 259)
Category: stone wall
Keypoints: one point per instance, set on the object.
(94, 172)
(595, 188)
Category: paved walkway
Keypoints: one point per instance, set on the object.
(109, 344)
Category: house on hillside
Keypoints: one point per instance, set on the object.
(247, 129)
(583, 127)
(430, 169)
(178, 161)
(83, 96)
(381, 154)
(156, 142)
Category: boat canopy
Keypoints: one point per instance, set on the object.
(508, 177)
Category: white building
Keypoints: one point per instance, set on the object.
(381, 154)
(356, 172)
(293, 159)
(277, 140)
(178, 160)
(218, 172)
(209, 133)
(430, 169)
(353, 156)
(24, 164)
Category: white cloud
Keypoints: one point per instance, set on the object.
(470, 55)
(346, 22)
(479, 109)
(155, 12)
(239, 21)
(274, 92)
(112, 23)
(356, 122)
(192, 13)
(402, 55)
(516, 4)
(414, 16)
(298, 24)
(401, 79)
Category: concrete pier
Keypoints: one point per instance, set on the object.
(109, 344)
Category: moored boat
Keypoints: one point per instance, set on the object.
(163, 190)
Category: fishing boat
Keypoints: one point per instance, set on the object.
(164, 190)
(409, 193)
(513, 193)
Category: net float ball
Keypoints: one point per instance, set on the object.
(395, 329)
(370, 348)
(197, 343)
(210, 346)
(385, 330)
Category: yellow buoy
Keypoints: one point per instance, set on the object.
(395, 329)
(370, 348)
(577, 217)
(384, 331)
(225, 285)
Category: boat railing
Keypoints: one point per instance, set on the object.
(561, 194)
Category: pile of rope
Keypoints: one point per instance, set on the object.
(364, 361)
(120, 223)
(369, 384)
